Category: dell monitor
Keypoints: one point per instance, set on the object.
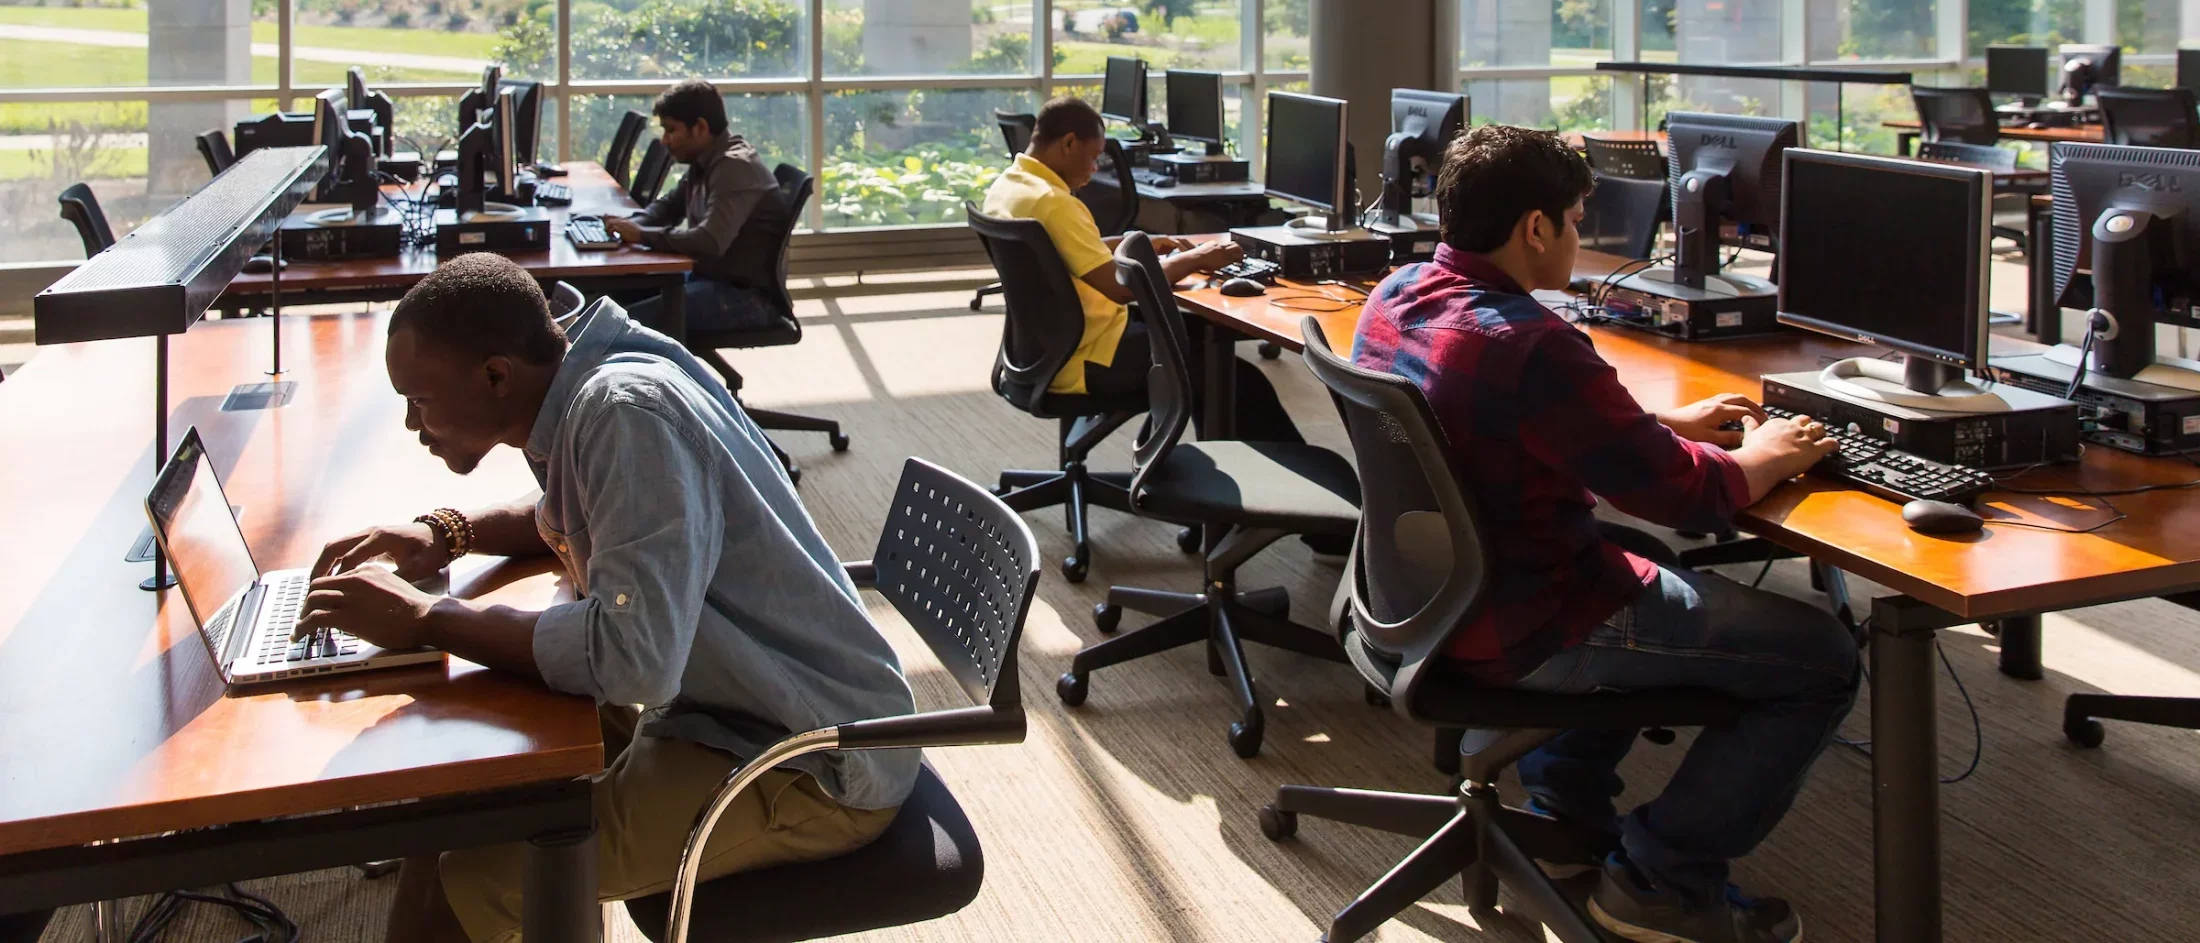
(1725, 169)
(1422, 124)
(1195, 107)
(274, 129)
(362, 98)
(1308, 157)
(2127, 242)
(475, 105)
(1123, 97)
(351, 154)
(527, 126)
(2019, 71)
(2087, 66)
(1893, 253)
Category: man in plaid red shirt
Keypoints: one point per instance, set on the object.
(1542, 428)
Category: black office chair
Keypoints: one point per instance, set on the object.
(649, 177)
(1961, 115)
(1044, 324)
(565, 300)
(1621, 216)
(2148, 117)
(1419, 572)
(2010, 219)
(961, 567)
(794, 192)
(1256, 492)
(80, 207)
(1115, 164)
(214, 146)
(1016, 131)
(1634, 160)
(621, 153)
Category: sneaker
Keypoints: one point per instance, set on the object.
(1624, 905)
(1591, 847)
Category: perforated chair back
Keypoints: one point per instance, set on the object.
(619, 158)
(1621, 215)
(1983, 155)
(1633, 160)
(1044, 321)
(1421, 562)
(1016, 129)
(1116, 164)
(2149, 117)
(650, 176)
(214, 146)
(961, 567)
(80, 207)
(1961, 115)
(1169, 380)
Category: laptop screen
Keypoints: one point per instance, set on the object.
(205, 547)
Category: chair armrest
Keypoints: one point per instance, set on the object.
(862, 572)
(962, 727)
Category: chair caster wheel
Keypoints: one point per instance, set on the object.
(794, 474)
(1277, 824)
(1070, 687)
(839, 441)
(1277, 604)
(1269, 350)
(1107, 617)
(977, 304)
(1374, 697)
(1074, 568)
(1189, 540)
(2085, 732)
(1245, 739)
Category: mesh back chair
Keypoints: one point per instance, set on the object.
(1621, 216)
(1961, 115)
(566, 300)
(1247, 494)
(1419, 571)
(80, 207)
(1041, 331)
(621, 155)
(1016, 134)
(2148, 117)
(2009, 198)
(214, 146)
(1115, 164)
(960, 567)
(1634, 160)
(649, 177)
(794, 192)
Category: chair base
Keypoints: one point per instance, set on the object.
(1076, 488)
(977, 300)
(1224, 619)
(1471, 835)
(773, 419)
(2083, 713)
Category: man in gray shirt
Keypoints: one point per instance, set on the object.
(708, 599)
(726, 214)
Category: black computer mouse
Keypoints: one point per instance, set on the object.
(1164, 182)
(1243, 288)
(1941, 517)
(261, 264)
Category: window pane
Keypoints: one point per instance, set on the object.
(404, 41)
(1188, 34)
(1286, 46)
(101, 144)
(2024, 22)
(1730, 32)
(1534, 32)
(1565, 103)
(774, 123)
(674, 39)
(1716, 95)
(2145, 26)
(190, 42)
(909, 157)
(1864, 110)
(927, 37)
(1872, 29)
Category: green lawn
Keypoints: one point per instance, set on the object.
(421, 41)
(113, 164)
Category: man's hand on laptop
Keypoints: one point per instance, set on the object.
(371, 602)
(415, 547)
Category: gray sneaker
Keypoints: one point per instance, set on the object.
(1627, 908)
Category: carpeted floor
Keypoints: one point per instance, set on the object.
(1129, 818)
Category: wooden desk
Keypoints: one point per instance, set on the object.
(387, 279)
(2002, 573)
(1907, 130)
(113, 720)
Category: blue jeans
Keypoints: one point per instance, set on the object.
(711, 306)
(1794, 664)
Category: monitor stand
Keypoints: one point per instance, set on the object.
(1916, 382)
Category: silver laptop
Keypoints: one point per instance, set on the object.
(246, 616)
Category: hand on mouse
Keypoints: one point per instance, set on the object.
(1776, 450)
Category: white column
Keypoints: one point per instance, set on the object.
(1627, 47)
(192, 42)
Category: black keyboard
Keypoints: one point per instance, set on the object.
(553, 194)
(588, 232)
(1259, 270)
(1891, 473)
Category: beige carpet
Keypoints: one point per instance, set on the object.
(1129, 819)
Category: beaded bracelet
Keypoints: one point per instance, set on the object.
(455, 529)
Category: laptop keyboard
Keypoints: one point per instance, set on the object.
(283, 601)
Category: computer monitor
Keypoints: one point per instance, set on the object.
(2131, 217)
(2017, 70)
(528, 118)
(1195, 107)
(1307, 156)
(1422, 124)
(274, 129)
(1893, 253)
(1725, 169)
(475, 105)
(2188, 69)
(362, 98)
(1123, 97)
(351, 154)
(2087, 66)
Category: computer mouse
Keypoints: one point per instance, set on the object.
(1941, 517)
(261, 264)
(1243, 288)
(2035, 125)
(549, 170)
(1163, 183)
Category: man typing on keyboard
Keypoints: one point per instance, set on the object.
(1542, 428)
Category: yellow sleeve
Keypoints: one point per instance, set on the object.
(1076, 237)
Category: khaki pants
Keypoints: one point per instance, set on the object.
(646, 803)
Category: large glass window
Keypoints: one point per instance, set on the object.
(2147, 26)
(2023, 22)
(439, 41)
(897, 158)
(1285, 25)
(1534, 32)
(927, 37)
(129, 44)
(670, 39)
(1189, 34)
(1561, 103)
(1725, 32)
(103, 145)
(1872, 29)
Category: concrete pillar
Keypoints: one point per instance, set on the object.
(915, 37)
(192, 42)
(1361, 49)
(1508, 33)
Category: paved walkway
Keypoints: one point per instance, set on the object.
(372, 57)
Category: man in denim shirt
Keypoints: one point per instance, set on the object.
(708, 599)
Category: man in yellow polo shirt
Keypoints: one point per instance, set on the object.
(1113, 355)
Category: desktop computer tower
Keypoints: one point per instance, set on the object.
(1303, 253)
(526, 231)
(2130, 415)
(2036, 428)
(1691, 314)
(380, 236)
(1199, 168)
